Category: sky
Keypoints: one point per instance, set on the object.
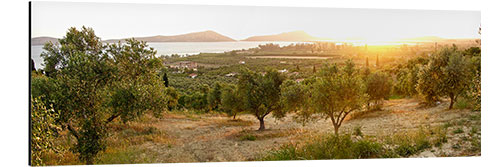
(120, 20)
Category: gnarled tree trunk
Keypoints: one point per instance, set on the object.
(262, 125)
(452, 101)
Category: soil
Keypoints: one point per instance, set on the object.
(213, 138)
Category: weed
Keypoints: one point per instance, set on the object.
(440, 137)
(464, 138)
(124, 155)
(406, 149)
(457, 131)
(474, 130)
(357, 131)
(461, 122)
(394, 96)
(249, 137)
(462, 103)
(475, 117)
(330, 147)
(476, 144)
(447, 125)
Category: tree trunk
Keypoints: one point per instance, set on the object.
(262, 126)
(452, 101)
(89, 162)
(336, 130)
(234, 117)
(112, 118)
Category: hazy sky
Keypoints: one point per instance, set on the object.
(115, 20)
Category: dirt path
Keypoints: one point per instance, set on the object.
(217, 138)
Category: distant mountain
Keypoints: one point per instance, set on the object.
(294, 36)
(205, 36)
(426, 38)
(43, 40)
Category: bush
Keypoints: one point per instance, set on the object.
(357, 131)
(44, 131)
(367, 149)
(330, 147)
(249, 137)
(463, 103)
(440, 137)
(406, 149)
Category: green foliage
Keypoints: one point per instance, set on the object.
(260, 93)
(463, 103)
(165, 79)
(447, 73)
(197, 101)
(378, 87)
(458, 130)
(43, 131)
(249, 137)
(231, 102)
(91, 84)
(456, 77)
(405, 149)
(172, 98)
(329, 147)
(344, 147)
(333, 94)
(430, 76)
(293, 97)
(357, 131)
(407, 79)
(214, 97)
(473, 92)
(90, 140)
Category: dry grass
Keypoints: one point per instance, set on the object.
(198, 137)
(252, 135)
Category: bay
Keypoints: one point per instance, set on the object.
(181, 48)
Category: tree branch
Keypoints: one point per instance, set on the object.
(73, 131)
(112, 117)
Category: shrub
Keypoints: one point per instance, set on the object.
(462, 103)
(43, 131)
(330, 147)
(440, 137)
(405, 149)
(249, 137)
(357, 131)
(367, 149)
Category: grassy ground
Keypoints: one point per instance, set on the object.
(402, 128)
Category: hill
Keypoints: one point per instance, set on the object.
(43, 40)
(426, 39)
(205, 36)
(294, 36)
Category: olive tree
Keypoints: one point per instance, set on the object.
(456, 77)
(231, 102)
(214, 97)
(260, 93)
(446, 74)
(93, 84)
(378, 87)
(333, 94)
